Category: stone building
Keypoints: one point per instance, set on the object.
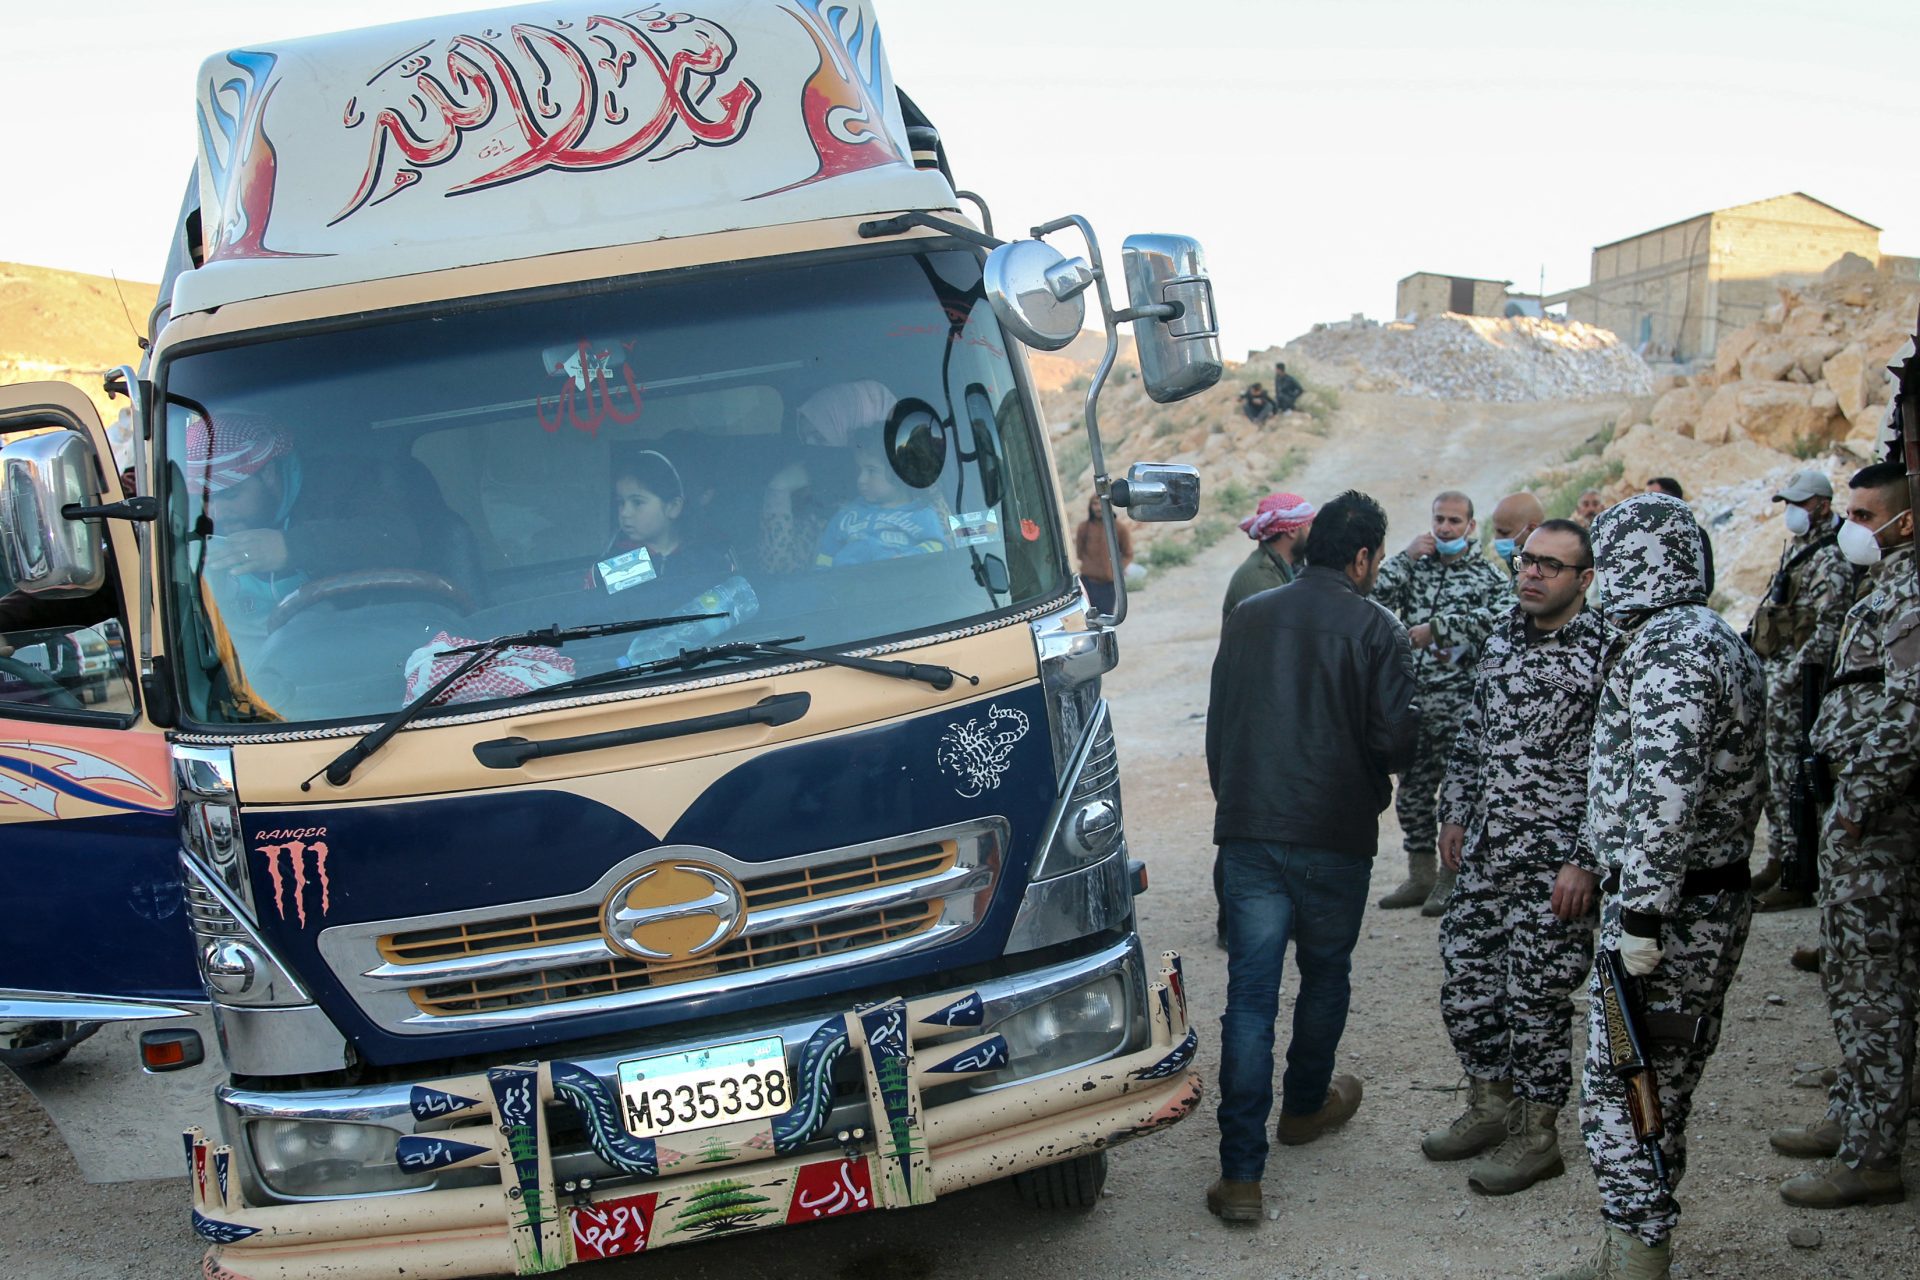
(1675, 291)
(1425, 294)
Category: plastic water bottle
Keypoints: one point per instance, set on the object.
(733, 597)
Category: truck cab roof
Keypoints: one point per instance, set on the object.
(508, 134)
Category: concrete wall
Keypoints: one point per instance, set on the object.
(1674, 291)
(1426, 294)
(1650, 289)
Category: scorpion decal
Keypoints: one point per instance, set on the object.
(977, 753)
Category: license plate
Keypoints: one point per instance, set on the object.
(700, 1088)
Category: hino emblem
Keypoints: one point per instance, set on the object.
(674, 911)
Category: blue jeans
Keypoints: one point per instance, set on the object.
(1277, 892)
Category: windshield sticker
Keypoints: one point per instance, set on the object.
(513, 671)
(627, 570)
(666, 69)
(978, 752)
(297, 846)
(974, 528)
(1030, 529)
(586, 393)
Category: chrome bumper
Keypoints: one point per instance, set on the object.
(914, 1132)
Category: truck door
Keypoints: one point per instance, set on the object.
(96, 922)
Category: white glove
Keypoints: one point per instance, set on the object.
(1639, 956)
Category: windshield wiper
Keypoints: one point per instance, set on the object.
(939, 677)
(340, 769)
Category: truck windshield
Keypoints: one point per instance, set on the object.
(835, 450)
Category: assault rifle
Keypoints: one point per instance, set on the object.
(1800, 868)
(1627, 1052)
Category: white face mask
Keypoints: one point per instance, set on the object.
(1798, 521)
(1859, 543)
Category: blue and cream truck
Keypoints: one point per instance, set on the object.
(592, 738)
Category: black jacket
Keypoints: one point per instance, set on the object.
(1313, 706)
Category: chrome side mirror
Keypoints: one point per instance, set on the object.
(1158, 491)
(1036, 292)
(1175, 330)
(46, 553)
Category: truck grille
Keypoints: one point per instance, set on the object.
(552, 958)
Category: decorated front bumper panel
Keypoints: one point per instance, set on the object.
(746, 1175)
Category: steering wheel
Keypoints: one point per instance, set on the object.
(34, 678)
(367, 582)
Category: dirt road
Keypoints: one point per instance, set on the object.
(1359, 1203)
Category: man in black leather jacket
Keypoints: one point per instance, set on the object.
(1312, 707)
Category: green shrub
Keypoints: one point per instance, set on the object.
(1808, 447)
(1163, 426)
(1209, 531)
(1283, 470)
(1073, 454)
(1592, 446)
(1232, 496)
(1166, 553)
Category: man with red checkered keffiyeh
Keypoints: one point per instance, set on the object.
(278, 521)
(1279, 527)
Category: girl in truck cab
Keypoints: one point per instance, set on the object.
(651, 539)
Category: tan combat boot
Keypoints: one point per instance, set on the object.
(1414, 889)
(1622, 1255)
(1436, 903)
(1481, 1125)
(1819, 1140)
(1530, 1154)
(1839, 1186)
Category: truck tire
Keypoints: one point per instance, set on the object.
(1070, 1186)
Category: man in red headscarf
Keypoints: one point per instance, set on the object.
(277, 521)
(1279, 526)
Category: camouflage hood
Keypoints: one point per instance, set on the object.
(1648, 555)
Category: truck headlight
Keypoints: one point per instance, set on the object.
(306, 1158)
(1086, 1024)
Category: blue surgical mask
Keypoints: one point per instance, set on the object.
(1450, 546)
(1505, 547)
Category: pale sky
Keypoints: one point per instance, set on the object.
(1319, 149)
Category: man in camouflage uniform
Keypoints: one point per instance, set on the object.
(1517, 936)
(1447, 594)
(1870, 863)
(1796, 627)
(1673, 794)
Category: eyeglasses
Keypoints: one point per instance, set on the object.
(1546, 566)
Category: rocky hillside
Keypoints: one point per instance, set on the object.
(1804, 386)
(1454, 357)
(68, 326)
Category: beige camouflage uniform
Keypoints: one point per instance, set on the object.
(1814, 600)
(1870, 887)
(1459, 599)
(1673, 795)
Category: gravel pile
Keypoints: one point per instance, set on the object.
(1453, 357)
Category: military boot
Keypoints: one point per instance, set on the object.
(1480, 1126)
(1819, 1140)
(1781, 898)
(1414, 889)
(1767, 876)
(1530, 1154)
(1436, 903)
(1839, 1186)
(1621, 1255)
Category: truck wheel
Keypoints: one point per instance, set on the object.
(1072, 1185)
